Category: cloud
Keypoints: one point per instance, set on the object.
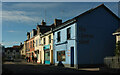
(36, 5)
(60, 0)
(18, 16)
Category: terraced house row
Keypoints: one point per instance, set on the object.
(83, 40)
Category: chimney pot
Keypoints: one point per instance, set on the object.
(43, 23)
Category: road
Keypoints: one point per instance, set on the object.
(15, 68)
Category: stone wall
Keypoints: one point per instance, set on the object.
(112, 62)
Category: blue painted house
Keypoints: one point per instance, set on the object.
(85, 39)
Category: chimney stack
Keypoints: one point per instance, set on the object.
(57, 22)
(38, 29)
(28, 35)
(43, 23)
(34, 32)
(20, 43)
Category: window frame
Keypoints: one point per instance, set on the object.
(30, 44)
(49, 38)
(68, 33)
(60, 54)
(36, 43)
(33, 43)
(39, 41)
(44, 41)
(58, 37)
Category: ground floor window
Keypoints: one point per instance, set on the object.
(60, 55)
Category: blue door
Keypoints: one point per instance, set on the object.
(72, 56)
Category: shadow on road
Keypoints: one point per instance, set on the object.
(15, 69)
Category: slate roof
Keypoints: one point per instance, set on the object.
(75, 18)
(44, 29)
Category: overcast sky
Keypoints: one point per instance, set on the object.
(20, 17)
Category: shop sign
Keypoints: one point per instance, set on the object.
(47, 47)
(68, 53)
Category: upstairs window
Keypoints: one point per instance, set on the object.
(33, 43)
(44, 41)
(50, 39)
(68, 33)
(36, 43)
(39, 41)
(28, 45)
(58, 37)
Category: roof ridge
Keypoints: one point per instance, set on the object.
(90, 10)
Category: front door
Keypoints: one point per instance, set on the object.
(72, 56)
(47, 56)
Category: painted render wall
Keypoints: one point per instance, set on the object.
(46, 43)
(66, 47)
(38, 47)
(95, 40)
(23, 50)
(31, 49)
(117, 38)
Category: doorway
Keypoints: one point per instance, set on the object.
(72, 56)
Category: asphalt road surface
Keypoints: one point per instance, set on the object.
(15, 68)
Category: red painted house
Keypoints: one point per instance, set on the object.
(30, 44)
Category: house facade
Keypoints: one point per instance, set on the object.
(47, 41)
(12, 52)
(38, 48)
(63, 45)
(30, 44)
(86, 39)
(39, 41)
(23, 49)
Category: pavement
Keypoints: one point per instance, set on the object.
(15, 68)
(90, 69)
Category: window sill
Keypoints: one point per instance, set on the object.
(69, 39)
(58, 42)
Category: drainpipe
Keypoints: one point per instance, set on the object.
(53, 49)
(76, 52)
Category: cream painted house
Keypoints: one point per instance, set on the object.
(39, 51)
(38, 48)
(47, 41)
(23, 49)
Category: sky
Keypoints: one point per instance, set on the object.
(60, 0)
(18, 18)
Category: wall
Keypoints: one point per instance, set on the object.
(38, 47)
(112, 62)
(117, 38)
(95, 39)
(12, 54)
(66, 47)
(31, 49)
(46, 43)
